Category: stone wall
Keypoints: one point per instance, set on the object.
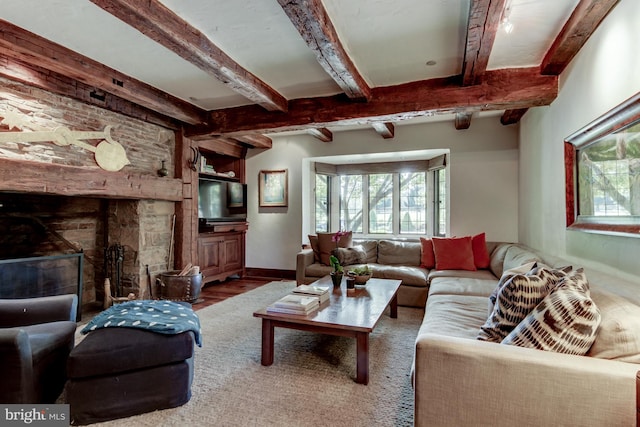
(142, 227)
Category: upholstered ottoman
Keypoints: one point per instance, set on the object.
(117, 372)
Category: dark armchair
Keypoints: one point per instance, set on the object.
(36, 337)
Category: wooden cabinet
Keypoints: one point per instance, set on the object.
(221, 250)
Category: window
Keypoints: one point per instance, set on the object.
(440, 202)
(413, 203)
(381, 203)
(382, 199)
(603, 172)
(322, 203)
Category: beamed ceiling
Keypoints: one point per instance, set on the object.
(239, 71)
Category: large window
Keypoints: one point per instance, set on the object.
(604, 157)
(322, 203)
(413, 203)
(388, 202)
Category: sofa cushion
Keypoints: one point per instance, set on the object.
(477, 274)
(454, 253)
(427, 257)
(496, 264)
(461, 286)
(394, 252)
(371, 249)
(516, 299)
(313, 241)
(326, 244)
(480, 253)
(411, 276)
(351, 255)
(618, 336)
(565, 321)
(506, 276)
(516, 256)
(318, 270)
(454, 315)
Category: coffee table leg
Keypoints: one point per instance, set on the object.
(394, 306)
(267, 342)
(362, 355)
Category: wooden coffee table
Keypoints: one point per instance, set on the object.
(349, 313)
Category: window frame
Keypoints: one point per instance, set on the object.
(619, 118)
(430, 214)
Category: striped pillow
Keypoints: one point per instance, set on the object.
(515, 300)
(566, 321)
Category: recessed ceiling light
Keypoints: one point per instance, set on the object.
(431, 63)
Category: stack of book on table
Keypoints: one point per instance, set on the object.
(295, 304)
(322, 292)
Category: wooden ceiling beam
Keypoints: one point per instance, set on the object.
(384, 129)
(323, 134)
(32, 75)
(500, 90)
(255, 140)
(576, 31)
(483, 24)
(225, 146)
(315, 27)
(32, 49)
(159, 23)
(511, 117)
(462, 120)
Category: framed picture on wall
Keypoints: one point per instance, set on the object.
(272, 188)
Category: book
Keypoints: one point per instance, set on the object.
(274, 309)
(322, 292)
(301, 303)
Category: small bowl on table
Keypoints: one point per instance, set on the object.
(360, 279)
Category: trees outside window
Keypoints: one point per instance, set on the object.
(395, 203)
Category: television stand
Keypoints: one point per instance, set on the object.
(221, 249)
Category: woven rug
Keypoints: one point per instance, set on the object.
(311, 382)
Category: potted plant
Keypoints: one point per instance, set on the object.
(361, 274)
(338, 271)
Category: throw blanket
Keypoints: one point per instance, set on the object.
(164, 317)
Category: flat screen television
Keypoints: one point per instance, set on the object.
(220, 200)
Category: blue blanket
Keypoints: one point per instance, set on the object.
(164, 317)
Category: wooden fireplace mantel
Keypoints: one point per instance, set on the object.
(45, 178)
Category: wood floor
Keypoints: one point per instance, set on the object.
(215, 292)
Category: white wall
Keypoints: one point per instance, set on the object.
(603, 74)
(483, 181)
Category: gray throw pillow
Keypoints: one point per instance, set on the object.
(351, 255)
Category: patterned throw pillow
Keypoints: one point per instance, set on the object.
(566, 321)
(350, 256)
(515, 300)
(506, 276)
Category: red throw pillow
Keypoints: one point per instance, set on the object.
(454, 253)
(427, 257)
(480, 253)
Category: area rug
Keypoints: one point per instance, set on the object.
(311, 382)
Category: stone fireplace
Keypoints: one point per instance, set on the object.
(55, 199)
(46, 225)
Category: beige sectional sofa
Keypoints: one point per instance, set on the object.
(460, 380)
(389, 259)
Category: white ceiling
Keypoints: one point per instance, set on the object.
(390, 42)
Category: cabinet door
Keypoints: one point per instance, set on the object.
(210, 255)
(233, 252)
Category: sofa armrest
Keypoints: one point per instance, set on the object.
(31, 311)
(16, 368)
(460, 381)
(304, 258)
